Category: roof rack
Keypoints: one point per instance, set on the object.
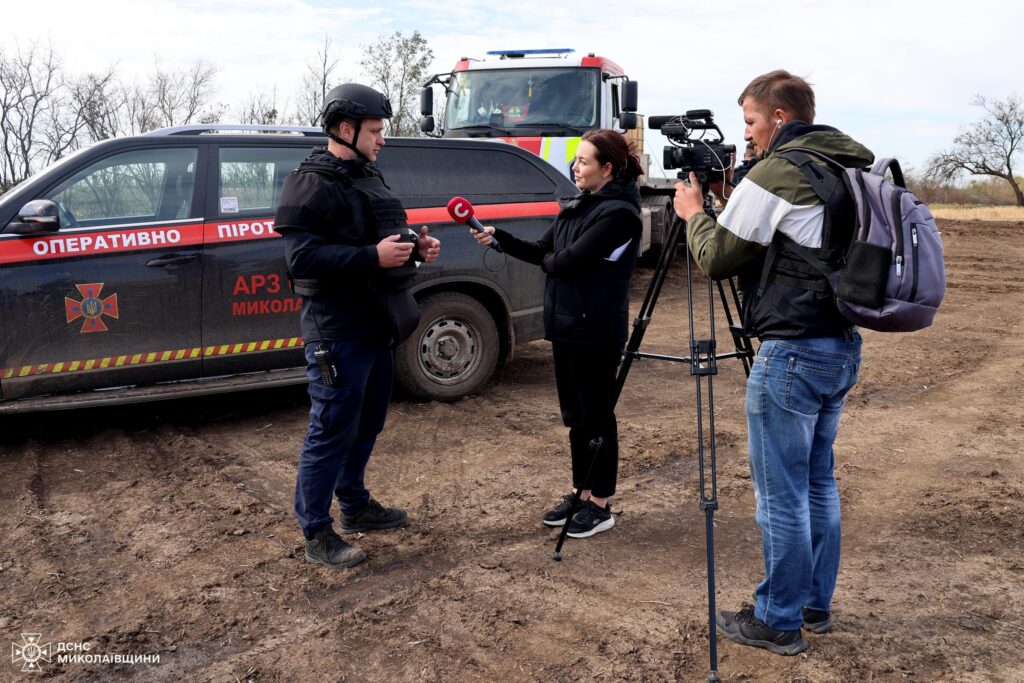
(519, 54)
(222, 128)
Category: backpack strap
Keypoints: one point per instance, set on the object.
(825, 185)
(890, 164)
(822, 184)
(828, 187)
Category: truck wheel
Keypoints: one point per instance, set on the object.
(453, 351)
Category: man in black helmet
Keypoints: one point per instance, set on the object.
(351, 256)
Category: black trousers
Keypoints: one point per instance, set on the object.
(585, 377)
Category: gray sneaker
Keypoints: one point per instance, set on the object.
(328, 548)
(743, 627)
(373, 515)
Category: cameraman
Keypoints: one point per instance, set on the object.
(807, 361)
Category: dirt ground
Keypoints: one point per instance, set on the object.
(166, 529)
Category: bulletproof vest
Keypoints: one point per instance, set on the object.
(377, 213)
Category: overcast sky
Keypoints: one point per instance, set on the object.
(898, 76)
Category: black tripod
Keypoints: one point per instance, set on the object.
(703, 361)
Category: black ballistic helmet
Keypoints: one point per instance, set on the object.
(352, 101)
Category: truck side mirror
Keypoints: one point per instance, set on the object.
(627, 120)
(629, 97)
(427, 124)
(36, 217)
(427, 102)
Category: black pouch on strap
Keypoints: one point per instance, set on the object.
(865, 274)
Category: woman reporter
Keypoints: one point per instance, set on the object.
(588, 254)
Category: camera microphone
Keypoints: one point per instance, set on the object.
(461, 211)
(656, 122)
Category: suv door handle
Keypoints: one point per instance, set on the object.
(171, 260)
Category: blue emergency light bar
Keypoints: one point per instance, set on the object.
(519, 54)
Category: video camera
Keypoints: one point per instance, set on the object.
(696, 145)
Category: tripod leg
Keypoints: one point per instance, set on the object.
(703, 367)
(744, 347)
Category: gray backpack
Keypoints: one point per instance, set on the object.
(893, 277)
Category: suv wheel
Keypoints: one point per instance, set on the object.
(453, 351)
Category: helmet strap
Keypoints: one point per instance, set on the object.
(355, 137)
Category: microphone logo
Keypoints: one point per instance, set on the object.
(461, 211)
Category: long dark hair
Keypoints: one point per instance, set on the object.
(616, 149)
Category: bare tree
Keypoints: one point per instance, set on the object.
(180, 97)
(29, 83)
(44, 113)
(316, 82)
(987, 147)
(261, 109)
(397, 66)
(96, 100)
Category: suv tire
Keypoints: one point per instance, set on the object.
(453, 351)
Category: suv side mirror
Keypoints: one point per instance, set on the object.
(629, 96)
(36, 217)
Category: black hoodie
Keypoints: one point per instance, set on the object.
(586, 295)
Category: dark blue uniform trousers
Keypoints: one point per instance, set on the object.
(344, 422)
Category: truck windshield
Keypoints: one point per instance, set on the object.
(501, 100)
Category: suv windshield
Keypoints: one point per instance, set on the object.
(501, 100)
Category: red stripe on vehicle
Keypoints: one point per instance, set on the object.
(485, 211)
(239, 230)
(126, 240)
(106, 241)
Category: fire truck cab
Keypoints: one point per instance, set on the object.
(543, 101)
(540, 100)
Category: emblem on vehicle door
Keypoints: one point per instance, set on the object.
(91, 307)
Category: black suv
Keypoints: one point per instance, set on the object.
(147, 267)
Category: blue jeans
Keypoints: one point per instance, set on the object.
(344, 421)
(795, 395)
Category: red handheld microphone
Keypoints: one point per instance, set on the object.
(461, 211)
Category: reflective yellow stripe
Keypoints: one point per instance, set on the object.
(149, 357)
(571, 144)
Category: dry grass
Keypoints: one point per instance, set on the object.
(964, 212)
